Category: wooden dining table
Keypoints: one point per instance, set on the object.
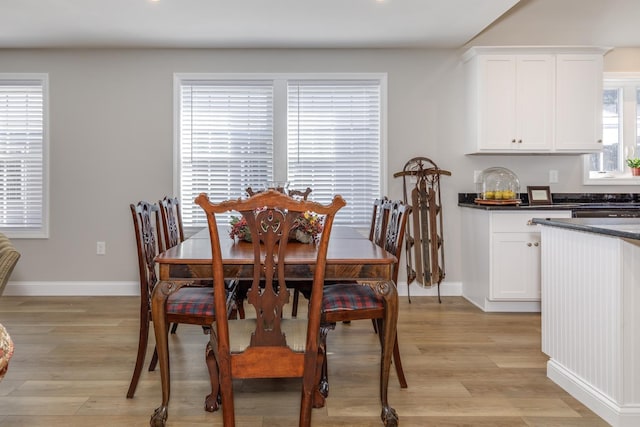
(350, 256)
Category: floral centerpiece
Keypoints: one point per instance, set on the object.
(306, 228)
(239, 229)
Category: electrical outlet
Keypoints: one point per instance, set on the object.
(553, 176)
(476, 176)
(101, 248)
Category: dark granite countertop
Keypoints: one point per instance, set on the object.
(562, 201)
(628, 228)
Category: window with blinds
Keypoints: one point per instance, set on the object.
(333, 132)
(226, 141)
(23, 186)
(322, 133)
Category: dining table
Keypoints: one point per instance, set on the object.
(350, 256)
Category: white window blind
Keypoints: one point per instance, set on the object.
(23, 204)
(225, 141)
(334, 143)
(322, 131)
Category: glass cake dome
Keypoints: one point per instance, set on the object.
(498, 184)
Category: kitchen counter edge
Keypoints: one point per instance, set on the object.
(516, 207)
(627, 228)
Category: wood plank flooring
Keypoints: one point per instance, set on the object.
(74, 358)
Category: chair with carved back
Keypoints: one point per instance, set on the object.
(192, 305)
(268, 345)
(379, 219)
(368, 300)
(172, 234)
(377, 231)
(298, 287)
(172, 231)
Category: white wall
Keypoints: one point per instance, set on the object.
(111, 140)
(111, 136)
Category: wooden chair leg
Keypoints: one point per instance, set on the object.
(398, 364)
(309, 387)
(322, 381)
(212, 401)
(161, 331)
(143, 339)
(174, 328)
(387, 329)
(154, 360)
(226, 393)
(294, 304)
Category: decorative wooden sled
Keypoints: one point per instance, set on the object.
(424, 242)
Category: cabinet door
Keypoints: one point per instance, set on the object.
(578, 103)
(515, 266)
(497, 102)
(535, 102)
(516, 102)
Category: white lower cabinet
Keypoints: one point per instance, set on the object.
(515, 266)
(501, 258)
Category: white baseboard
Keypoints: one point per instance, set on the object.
(507, 306)
(448, 289)
(133, 288)
(592, 398)
(72, 289)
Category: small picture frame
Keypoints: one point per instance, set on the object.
(540, 195)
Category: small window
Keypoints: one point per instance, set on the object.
(620, 131)
(23, 156)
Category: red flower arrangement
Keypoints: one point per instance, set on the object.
(239, 229)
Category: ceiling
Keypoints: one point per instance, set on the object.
(245, 23)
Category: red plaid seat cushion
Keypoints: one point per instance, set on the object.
(349, 297)
(196, 301)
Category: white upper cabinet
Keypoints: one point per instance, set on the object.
(533, 100)
(578, 103)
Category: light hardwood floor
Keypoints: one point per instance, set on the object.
(74, 358)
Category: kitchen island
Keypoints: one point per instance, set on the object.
(591, 312)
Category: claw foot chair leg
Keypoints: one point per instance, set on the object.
(387, 329)
(213, 400)
(322, 391)
(159, 417)
(389, 417)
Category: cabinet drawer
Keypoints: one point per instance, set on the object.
(520, 221)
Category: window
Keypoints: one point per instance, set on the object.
(238, 131)
(23, 155)
(621, 132)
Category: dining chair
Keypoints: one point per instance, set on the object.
(377, 230)
(298, 287)
(379, 220)
(172, 231)
(172, 234)
(368, 300)
(267, 345)
(191, 304)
